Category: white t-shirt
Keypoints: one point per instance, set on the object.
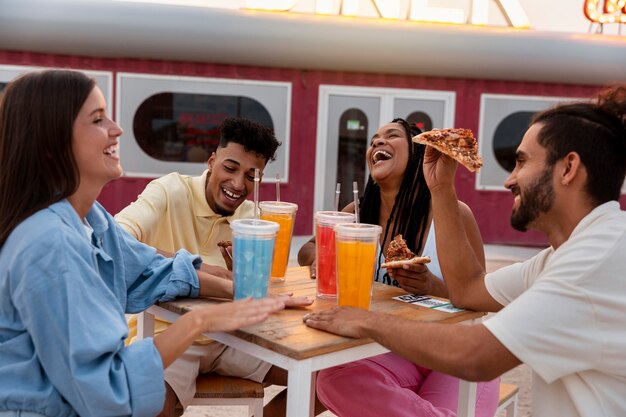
(565, 316)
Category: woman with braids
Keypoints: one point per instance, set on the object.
(68, 273)
(397, 198)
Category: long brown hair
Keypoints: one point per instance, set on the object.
(37, 166)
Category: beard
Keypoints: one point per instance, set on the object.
(536, 199)
(223, 211)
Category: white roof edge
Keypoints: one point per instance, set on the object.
(104, 28)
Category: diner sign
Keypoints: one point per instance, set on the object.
(614, 11)
(417, 10)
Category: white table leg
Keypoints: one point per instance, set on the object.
(145, 325)
(467, 399)
(301, 392)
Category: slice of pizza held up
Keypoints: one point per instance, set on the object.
(457, 143)
(398, 254)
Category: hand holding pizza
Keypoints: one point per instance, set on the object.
(417, 279)
(444, 147)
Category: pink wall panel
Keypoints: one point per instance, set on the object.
(492, 209)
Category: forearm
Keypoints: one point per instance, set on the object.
(454, 349)
(306, 255)
(438, 287)
(213, 286)
(174, 340)
(462, 270)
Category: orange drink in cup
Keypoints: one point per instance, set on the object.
(285, 215)
(325, 250)
(357, 246)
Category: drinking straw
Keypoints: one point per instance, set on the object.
(337, 192)
(277, 186)
(256, 193)
(355, 191)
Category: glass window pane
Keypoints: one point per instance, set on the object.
(508, 136)
(352, 146)
(185, 127)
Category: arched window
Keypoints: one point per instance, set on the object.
(421, 120)
(352, 146)
(508, 136)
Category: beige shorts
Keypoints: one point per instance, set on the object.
(213, 357)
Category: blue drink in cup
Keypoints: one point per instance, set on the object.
(253, 249)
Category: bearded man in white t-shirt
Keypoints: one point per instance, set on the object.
(563, 312)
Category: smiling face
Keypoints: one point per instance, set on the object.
(388, 154)
(95, 143)
(530, 182)
(231, 177)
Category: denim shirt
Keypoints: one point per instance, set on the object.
(62, 324)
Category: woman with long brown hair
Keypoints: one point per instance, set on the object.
(68, 273)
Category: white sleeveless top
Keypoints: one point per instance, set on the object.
(430, 249)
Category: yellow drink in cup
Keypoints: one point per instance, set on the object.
(357, 246)
(285, 215)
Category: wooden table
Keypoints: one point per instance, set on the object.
(285, 341)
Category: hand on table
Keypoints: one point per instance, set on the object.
(417, 279)
(225, 317)
(294, 302)
(344, 321)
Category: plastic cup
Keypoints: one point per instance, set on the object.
(285, 215)
(253, 248)
(357, 246)
(325, 257)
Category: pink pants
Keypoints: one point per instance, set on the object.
(389, 385)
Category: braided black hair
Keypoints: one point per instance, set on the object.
(412, 205)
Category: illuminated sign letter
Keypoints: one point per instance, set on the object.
(511, 9)
(277, 5)
(421, 11)
(389, 9)
(614, 11)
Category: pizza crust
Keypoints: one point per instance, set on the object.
(412, 261)
(458, 144)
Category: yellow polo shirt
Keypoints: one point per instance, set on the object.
(171, 214)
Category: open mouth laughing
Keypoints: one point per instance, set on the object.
(112, 150)
(380, 155)
(231, 196)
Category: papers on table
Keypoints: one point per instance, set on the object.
(428, 302)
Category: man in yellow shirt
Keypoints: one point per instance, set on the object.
(179, 211)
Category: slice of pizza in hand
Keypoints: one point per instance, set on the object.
(398, 254)
(457, 143)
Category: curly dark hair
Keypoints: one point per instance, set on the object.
(412, 205)
(596, 131)
(254, 137)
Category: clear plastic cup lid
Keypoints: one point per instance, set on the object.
(254, 227)
(358, 230)
(278, 207)
(333, 217)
